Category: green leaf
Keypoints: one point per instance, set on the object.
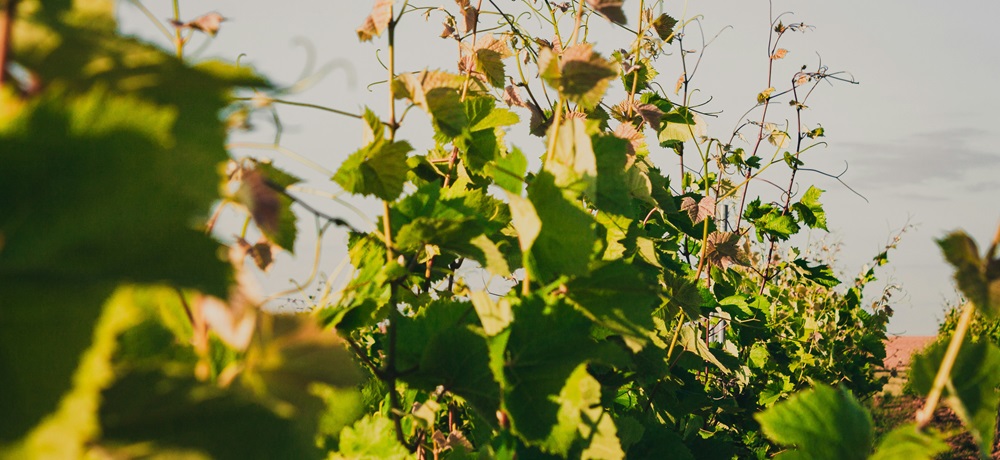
(442, 348)
(494, 316)
(371, 437)
(810, 210)
(691, 341)
(582, 420)
(974, 379)
(573, 164)
(962, 253)
(447, 111)
(664, 26)
(507, 171)
(105, 152)
(820, 274)
(820, 423)
(378, 169)
(616, 297)
(612, 180)
(535, 358)
(678, 126)
(909, 443)
(566, 240)
(172, 411)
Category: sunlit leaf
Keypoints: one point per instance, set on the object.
(573, 164)
(699, 210)
(581, 75)
(820, 423)
(909, 443)
(566, 240)
(378, 169)
(376, 22)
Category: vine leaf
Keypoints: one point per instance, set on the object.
(699, 210)
(582, 417)
(810, 210)
(470, 15)
(611, 9)
(573, 164)
(680, 125)
(534, 360)
(971, 390)
(488, 61)
(962, 253)
(910, 443)
(722, 250)
(442, 346)
(139, 405)
(821, 423)
(377, 169)
(494, 316)
(371, 437)
(376, 22)
(664, 26)
(512, 97)
(260, 191)
(582, 75)
(615, 297)
(566, 239)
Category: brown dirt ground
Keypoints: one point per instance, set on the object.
(893, 408)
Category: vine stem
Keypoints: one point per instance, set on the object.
(178, 39)
(6, 24)
(386, 224)
(638, 47)
(925, 414)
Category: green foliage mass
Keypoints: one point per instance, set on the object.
(627, 314)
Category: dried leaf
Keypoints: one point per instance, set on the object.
(376, 22)
(611, 9)
(650, 114)
(470, 15)
(775, 136)
(763, 96)
(636, 140)
(539, 123)
(263, 201)
(698, 211)
(779, 53)
(449, 29)
(722, 250)
(512, 97)
(208, 23)
(680, 83)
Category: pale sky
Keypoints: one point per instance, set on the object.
(916, 132)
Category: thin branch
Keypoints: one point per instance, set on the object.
(6, 24)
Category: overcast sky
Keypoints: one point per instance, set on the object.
(917, 134)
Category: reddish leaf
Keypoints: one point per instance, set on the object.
(611, 9)
(512, 97)
(698, 211)
(376, 22)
